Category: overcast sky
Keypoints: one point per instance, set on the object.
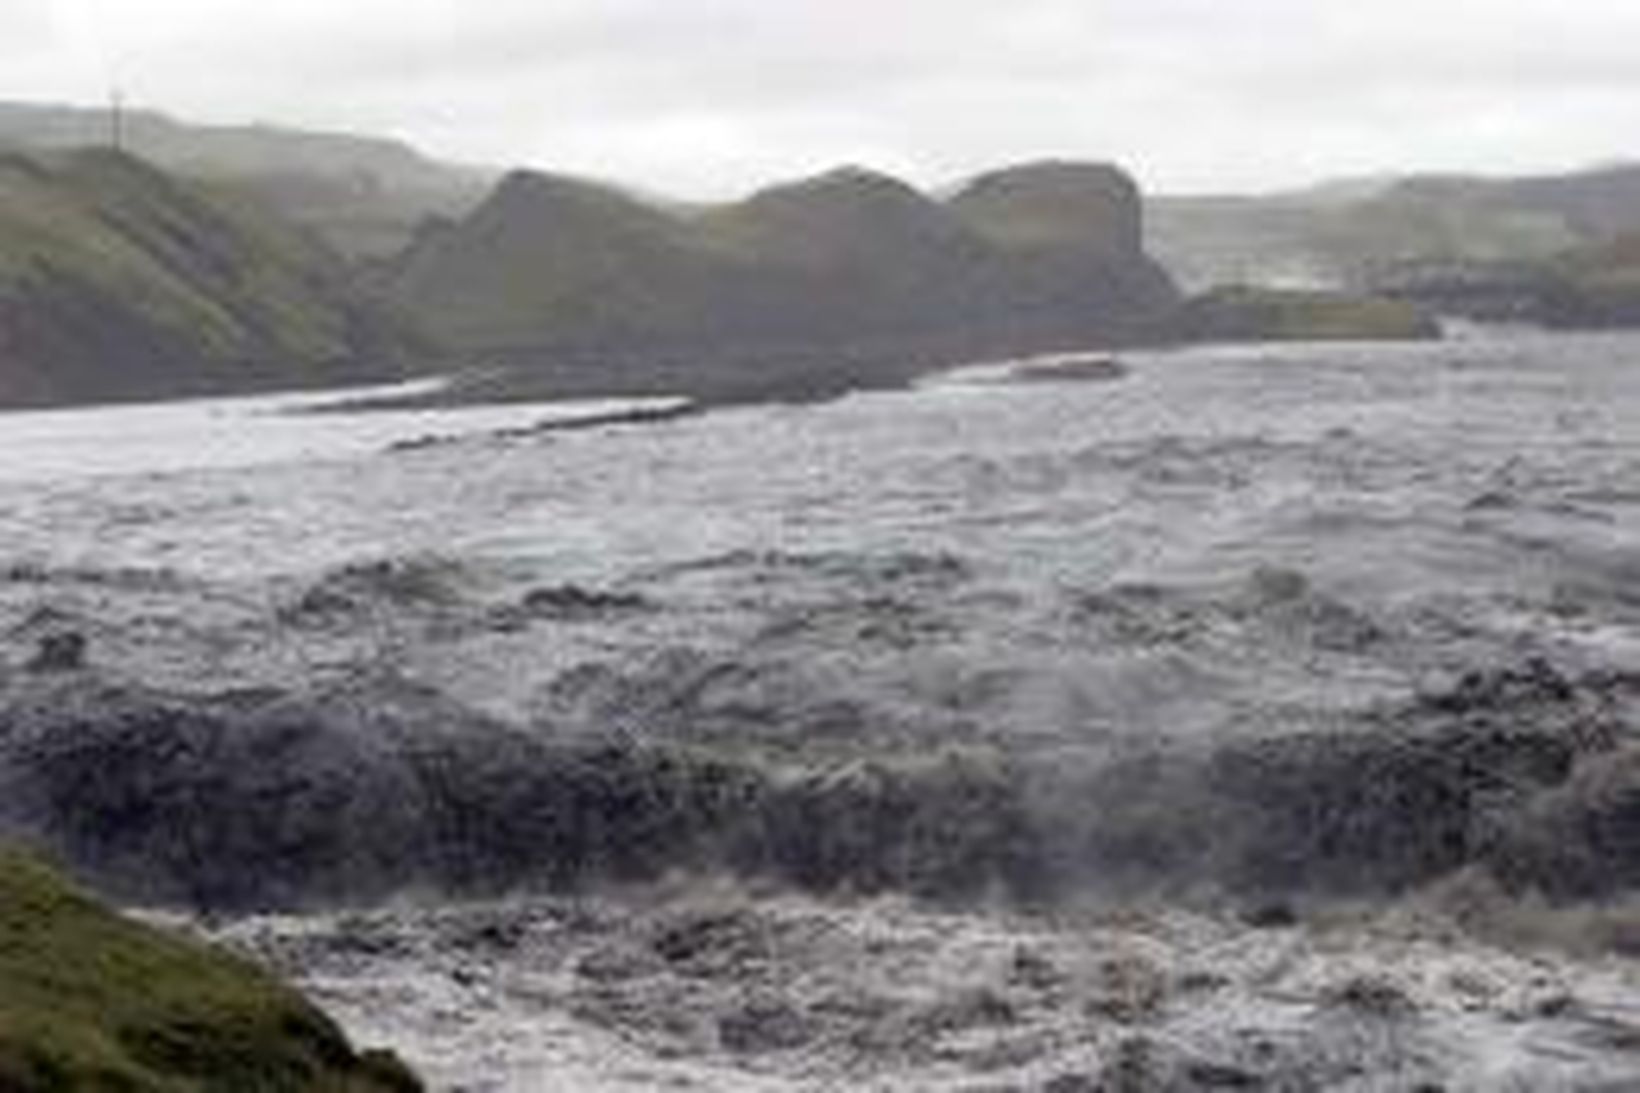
(707, 97)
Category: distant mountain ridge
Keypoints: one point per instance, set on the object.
(1356, 234)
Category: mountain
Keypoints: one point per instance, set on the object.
(118, 280)
(1070, 241)
(1325, 238)
(1600, 204)
(1040, 256)
(365, 195)
(1354, 233)
(548, 259)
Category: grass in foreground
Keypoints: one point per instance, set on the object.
(93, 1001)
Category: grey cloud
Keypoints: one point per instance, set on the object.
(26, 28)
(708, 95)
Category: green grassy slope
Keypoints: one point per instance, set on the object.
(363, 194)
(118, 280)
(92, 1001)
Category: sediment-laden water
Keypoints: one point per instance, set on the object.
(1244, 718)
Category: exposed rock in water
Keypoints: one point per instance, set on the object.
(59, 652)
(1583, 839)
(1409, 796)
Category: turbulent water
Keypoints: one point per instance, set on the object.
(1176, 602)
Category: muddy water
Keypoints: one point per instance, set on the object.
(1214, 548)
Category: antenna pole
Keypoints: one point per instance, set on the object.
(116, 120)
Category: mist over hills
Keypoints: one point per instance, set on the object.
(1357, 232)
(365, 194)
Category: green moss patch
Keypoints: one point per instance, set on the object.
(93, 1001)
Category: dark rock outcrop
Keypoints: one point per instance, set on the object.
(375, 786)
(1093, 208)
(1033, 258)
(1581, 841)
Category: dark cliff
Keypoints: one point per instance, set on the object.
(1046, 256)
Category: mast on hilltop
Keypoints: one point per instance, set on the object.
(116, 120)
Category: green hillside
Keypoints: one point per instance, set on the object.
(120, 281)
(1360, 234)
(91, 1001)
(363, 194)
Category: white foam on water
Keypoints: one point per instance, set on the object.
(225, 433)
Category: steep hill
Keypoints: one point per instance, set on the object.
(549, 259)
(1070, 246)
(120, 281)
(1087, 207)
(1035, 257)
(364, 194)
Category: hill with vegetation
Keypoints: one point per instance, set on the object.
(548, 267)
(364, 195)
(1362, 234)
(93, 1001)
(118, 281)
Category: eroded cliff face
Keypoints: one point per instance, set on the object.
(120, 281)
(1050, 253)
(1092, 207)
